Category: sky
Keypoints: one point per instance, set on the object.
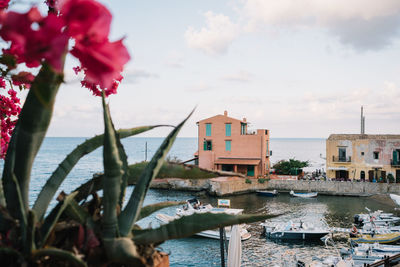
(300, 68)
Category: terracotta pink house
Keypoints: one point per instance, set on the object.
(225, 144)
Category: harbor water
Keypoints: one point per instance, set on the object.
(197, 251)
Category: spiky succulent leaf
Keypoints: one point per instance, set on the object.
(51, 220)
(64, 255)
(122, 250)
(130, 214)
(32, 124)
(53, 183)
(112, 177)
(149, 209)
(192, 224)
(77, 213)
(124, 179)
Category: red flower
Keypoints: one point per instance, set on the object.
(23, 78)
(32, 46)
(2, 82)
(86, 19)
(4, 4)
(102, 62)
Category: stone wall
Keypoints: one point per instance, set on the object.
(223, 186)
(335, 188)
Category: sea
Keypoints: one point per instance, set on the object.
(197, 251)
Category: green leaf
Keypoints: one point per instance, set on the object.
(58, 176)
(192, 224)
(130, 214)
(2, 198)
(122, 250)
(32, 127)
(31, 228)
(60, 254)
(149, 209)
(53, 217)
(124, 179)
(112, 177)
(78, 213)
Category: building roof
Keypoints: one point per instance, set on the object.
(333, 137)
(239, 161)
(225, 115)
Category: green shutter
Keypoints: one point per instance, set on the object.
(227, 129)
(205, 145)
(227, 145)
(208, 129)
(395, 158)
(250, 170)
(210, 145)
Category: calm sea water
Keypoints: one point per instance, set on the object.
(196, 251)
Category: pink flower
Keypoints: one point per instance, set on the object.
(23, 78)
(86, 19)
(2, 82)
(4, 4)
(32, 46)
(102, 62)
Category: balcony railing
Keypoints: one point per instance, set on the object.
(341, 159)
(394, 163)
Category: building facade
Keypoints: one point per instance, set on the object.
(224, 143)
(362, 156)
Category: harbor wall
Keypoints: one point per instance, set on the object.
(335, 187)
(223, 186)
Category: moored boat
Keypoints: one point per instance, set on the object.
(265, 193)
(377, 238)
(294, 231)
(304, 195)
(194, 206)
(395, 198)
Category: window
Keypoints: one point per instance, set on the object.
(342, 154)
(228, 129)
(243, 128)
(376, 155)
(227, 145)
(362, 153)
(207, 145)
(362, 175)
(208, 129)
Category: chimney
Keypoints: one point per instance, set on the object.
(362, 121)
(225, 113)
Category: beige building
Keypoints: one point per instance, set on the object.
(362, 156)
(224, 143)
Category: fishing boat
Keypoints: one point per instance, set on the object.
(304, 195)
(395, 198)
(376, 218)
(294, 231)
(195, 206)
(377, 238)
(380, 248)
(265, 193)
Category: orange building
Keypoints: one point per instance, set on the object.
(225, 144)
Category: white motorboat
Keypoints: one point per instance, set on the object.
(395, 198)
(294, 231)
(194, 206)
(376, 218)
(304, 195)
(379, 248)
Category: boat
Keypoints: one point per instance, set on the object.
(376, 218)
(194, 206)
(395, 198)
(304, 195)
(265, 193)
(377, 238)
(294, 231)
(380, 248)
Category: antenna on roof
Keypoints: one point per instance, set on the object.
(362, 121)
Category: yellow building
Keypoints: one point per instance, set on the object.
(362, 156)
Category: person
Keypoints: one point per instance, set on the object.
(354, 231)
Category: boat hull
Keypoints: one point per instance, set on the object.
(267, 193)
(296, 235)
(380, 238)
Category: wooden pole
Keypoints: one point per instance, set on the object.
(145, 152)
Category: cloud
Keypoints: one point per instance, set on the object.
(216, 37)
(201, 87)
(363, 25)
(240, 76)
(135, 75)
